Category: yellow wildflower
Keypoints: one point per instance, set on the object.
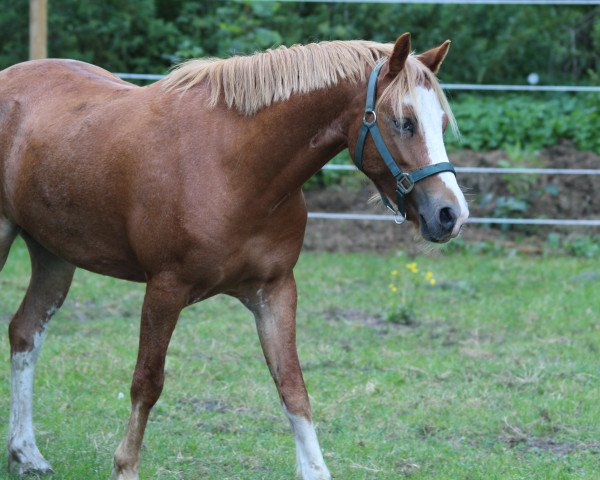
(432, 281)
(412, 267)
(394, 273)
(428, 276)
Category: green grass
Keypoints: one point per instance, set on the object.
(498, 378)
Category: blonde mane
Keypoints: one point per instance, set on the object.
(251, 83)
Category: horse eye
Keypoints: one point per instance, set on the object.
(405, 125)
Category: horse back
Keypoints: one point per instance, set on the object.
(67, 163)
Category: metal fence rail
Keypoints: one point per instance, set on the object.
(140, 76)
(459, 2)
(480, 220)
(447, 86)
(520, 88)
(501, 170)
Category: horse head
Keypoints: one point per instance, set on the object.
(406, 157)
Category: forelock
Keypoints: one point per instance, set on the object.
(403, 90)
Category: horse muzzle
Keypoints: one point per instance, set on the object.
(440, 223)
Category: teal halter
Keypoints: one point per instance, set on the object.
(404, 181)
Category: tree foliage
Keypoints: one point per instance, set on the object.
(491, 43)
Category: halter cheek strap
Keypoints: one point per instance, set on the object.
(404, 181)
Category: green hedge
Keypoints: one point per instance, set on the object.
(526, 122)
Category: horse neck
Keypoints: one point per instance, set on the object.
(295, 138)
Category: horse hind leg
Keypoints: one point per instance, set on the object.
(274, 308)
(50, 281)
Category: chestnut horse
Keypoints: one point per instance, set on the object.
(193, 186)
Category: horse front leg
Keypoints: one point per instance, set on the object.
(50, 281)
(274, 308)
(163, 302)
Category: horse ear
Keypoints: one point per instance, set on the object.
(433, 58)
(399, 55)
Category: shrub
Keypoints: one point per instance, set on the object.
(526, 122)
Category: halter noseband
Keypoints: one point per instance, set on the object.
(404, 181)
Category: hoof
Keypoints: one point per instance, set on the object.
(123, 475)
(34, 464)
(312, 472)
(119, 474)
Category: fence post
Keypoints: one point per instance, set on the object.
(38, 29)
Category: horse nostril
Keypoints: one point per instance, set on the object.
(447, 218)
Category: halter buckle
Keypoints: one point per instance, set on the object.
(405, 184)
(373, 115)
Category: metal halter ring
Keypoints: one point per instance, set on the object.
(399, 218)
(369, 113)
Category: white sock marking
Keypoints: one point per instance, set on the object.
(310, 463)
(126, 459)
(23, 450)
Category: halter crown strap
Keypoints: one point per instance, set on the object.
(404, 181)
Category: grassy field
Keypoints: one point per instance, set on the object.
(497, 376)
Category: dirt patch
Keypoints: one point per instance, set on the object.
(352, 235)
(515, 437)
(353, 315)
(560, 448)
(556, 447)
(489, 195)
(376, 322)
(550, 196)
(203, 405)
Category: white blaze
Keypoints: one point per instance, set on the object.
(431, 118)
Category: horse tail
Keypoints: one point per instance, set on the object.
(9, 111)
(8, 232)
